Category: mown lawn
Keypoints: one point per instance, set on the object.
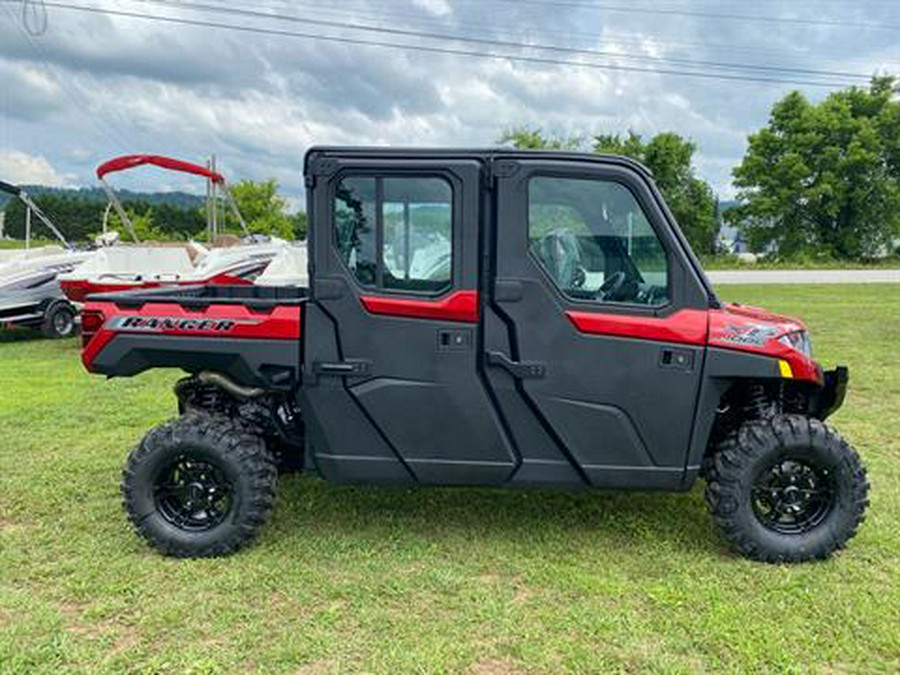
(731, 262)
(432, 580)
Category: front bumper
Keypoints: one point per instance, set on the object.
(831, 396)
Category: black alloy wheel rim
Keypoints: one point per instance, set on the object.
(193, 494)
(793, 496)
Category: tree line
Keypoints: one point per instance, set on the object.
(79, 214)
(819, 180)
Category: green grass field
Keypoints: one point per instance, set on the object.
(432, 580)
(730, 262)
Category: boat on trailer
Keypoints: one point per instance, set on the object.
(30, 294)
(288, 268)
(229, 260)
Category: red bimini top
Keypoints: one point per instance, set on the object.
(131, 161)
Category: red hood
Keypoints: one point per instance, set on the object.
(751, 329)
(763, 316)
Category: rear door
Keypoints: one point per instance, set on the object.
(392, 329)
(596, 325)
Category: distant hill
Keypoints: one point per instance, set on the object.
(181, 200)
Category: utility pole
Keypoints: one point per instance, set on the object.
(215, 201)
(209, 234)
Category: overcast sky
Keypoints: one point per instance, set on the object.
(79, 87)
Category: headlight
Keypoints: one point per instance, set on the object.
(798, 340)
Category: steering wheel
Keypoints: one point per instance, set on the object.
(611, 286)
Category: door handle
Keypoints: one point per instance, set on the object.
(676, 359)
(348, 368)
(523, 370)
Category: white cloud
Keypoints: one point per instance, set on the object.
(436, 7)
(96, 86)
(24, 169)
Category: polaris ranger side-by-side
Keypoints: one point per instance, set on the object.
(482, 318)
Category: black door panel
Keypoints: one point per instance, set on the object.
(421, 393)
(609, 405)
(348, 447)
(445, 426)
(598, 434)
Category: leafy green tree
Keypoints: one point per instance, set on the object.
(533, 138)
(667, 155)
(80, 217)
(824, 179)
(76, 219)
(670, 158)
(263, 209)
(143, 223)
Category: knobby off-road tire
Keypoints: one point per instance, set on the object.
(787, 489)
(199, 486)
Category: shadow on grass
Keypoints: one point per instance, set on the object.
(310, 507)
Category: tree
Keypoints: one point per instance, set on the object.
(263, 209)
(667, 155)
(824, 178)
(533, 138)
(670, 158)
(143, 222)
(79, 217)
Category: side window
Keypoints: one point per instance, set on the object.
(411, 217)
(354, 225)
(595, 242)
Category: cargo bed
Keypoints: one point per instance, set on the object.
(249, 333)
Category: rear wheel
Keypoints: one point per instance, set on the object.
(59, 321)
(788, 489)
(199, 486)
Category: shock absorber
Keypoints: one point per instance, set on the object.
(759, 403)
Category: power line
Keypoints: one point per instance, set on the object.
(642, 39)
(442, 50)
(499, 43)
(698, 14)
(71, 92)
(34, 17)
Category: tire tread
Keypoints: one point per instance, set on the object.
(750, 443)
(235, 445)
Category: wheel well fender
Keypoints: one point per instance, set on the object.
(725, 372)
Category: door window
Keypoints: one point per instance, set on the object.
(396, 233)
(594, 241)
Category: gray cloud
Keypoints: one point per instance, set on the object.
(95, 85)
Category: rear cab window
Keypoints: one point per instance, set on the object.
(396, 232)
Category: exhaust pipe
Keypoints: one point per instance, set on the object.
(218, 380)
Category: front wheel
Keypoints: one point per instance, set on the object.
(199, 486)
(787, 489)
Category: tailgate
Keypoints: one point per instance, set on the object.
(253, 337)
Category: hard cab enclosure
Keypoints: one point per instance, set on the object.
(484, 317)
(489, 317)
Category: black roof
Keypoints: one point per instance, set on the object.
(483, 154)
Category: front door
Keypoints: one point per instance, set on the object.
(596, 325)
(392, 328)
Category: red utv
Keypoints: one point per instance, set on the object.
(482, 318)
